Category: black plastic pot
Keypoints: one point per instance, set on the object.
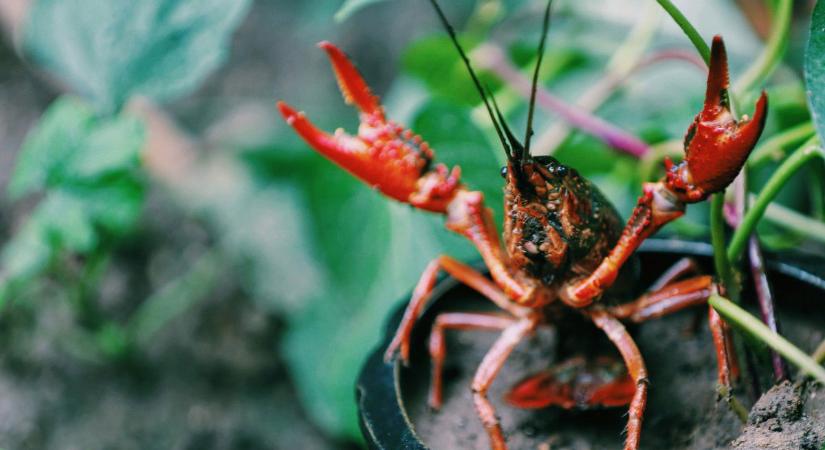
(384, 390)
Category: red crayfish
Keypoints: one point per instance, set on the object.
(563, 241)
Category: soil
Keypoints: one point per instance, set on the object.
(682, 410)
(787, 416)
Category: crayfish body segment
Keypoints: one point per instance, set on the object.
(562, 240)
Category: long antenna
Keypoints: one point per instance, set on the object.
(532, 107)
(477, 83)
(517, 148)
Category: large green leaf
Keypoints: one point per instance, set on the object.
(108, 50)
(815, 68)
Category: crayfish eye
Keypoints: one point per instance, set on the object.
(561, 170)
(504, 172)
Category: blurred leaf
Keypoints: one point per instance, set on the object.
(86, 167)
(70, 144)
(173, 299)
(109, 50)
(435, 61)
(49, 145)
(456, 140)
(815, 68)
(350, 7)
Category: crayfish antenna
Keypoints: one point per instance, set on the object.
(531, 108)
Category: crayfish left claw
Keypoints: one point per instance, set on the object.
(353, 87)
(385, 155)
(716, 144)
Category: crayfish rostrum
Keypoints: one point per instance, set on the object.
(564, 243)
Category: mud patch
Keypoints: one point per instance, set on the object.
(780, 420)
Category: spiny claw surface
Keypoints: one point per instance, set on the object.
(576, 383)
(716, 144)
(384, 154)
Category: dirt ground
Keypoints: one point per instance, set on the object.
(682, 411)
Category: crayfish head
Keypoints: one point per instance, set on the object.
(557, 224)
(716, 144)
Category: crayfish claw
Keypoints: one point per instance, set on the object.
(352, 85)
(716, 94)
(716, 144)
(345, 150)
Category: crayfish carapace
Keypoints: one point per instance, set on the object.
(563, 241)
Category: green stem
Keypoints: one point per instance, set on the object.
(687, 27)
(794, 221)
(798, 158)
(742, 319)
(734, 404)
(717, 239)
(773, 149)
(819, 353)
(770, 57)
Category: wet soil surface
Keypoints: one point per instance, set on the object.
(682, 410)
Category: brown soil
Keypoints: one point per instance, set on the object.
(682, 410)
(787, 416)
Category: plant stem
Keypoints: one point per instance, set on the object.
(794, 221)
(493, 58)
(742, 319)
(773, 148)
(734, 403)
(798, 158)
(687, 28)
(764, 297)
(717, 239)
(625, 59)
(600, 91)
(819, 353)
(775, 46)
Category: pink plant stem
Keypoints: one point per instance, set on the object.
(733, 214)
(494, 59)
(765, 296)
(600, 91)
(673, 54)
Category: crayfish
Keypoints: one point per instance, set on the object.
(563, 242)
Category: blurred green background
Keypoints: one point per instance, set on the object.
(179, 270)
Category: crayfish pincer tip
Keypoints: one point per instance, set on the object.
(717, 76)
(285, 110)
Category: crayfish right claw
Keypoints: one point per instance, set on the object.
(716, 144)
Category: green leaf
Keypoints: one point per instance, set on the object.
(24, 256)
(435, 61)
(86, 166)
(71, 145)
(815, 68)
(109, 50)
(350, 7)
(47, 147)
